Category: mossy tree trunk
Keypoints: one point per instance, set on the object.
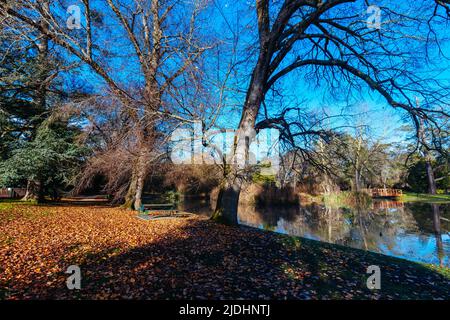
(226, 211)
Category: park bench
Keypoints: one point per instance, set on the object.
(153, 211)
(159, 209)
(159, 206)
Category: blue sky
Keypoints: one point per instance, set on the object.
(226, 18)
(383, 120)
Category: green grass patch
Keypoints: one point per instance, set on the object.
(347, 199)
(8, 204)
(441, 270)
(12, 209)
(423, 197)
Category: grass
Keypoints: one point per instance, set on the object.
(10, 209)
(122, 257)
(398, 275)
(442, 270)
(342, 199)
(8, 204)
(318, 245)
(427, 198)
(347, 199)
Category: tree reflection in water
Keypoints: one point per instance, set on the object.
(418, 232)
(437, 233)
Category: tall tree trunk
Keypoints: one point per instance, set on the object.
(426, 155)
(358, 166)
(152, 96)
(35, 189)
(430, 175)
(141, 173)
(131, 193)
(228, 198)
(133, 199)
(357, 181)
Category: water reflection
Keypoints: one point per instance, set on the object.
(438, 233)
(417, 232)
(195, 204)
(414, 231)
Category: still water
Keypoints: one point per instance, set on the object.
(414, 231)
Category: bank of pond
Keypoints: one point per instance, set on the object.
(417, 231)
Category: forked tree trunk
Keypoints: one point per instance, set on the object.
(140, 174)
(228, 198)
(133, 199)
(34, 192)
(152, 96)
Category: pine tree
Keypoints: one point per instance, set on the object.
(48, 162)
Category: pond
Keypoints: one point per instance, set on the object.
(414, 231)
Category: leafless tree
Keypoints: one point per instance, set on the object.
(163, 35)
(330, 42)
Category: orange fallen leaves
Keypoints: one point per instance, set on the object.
(122, 257)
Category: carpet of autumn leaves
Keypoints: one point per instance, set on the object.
(122, 257)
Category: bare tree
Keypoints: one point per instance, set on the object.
(327, 41)
(165, 46)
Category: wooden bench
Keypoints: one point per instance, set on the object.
(161, 211)
(161, 206)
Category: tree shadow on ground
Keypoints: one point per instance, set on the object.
(206, 260)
